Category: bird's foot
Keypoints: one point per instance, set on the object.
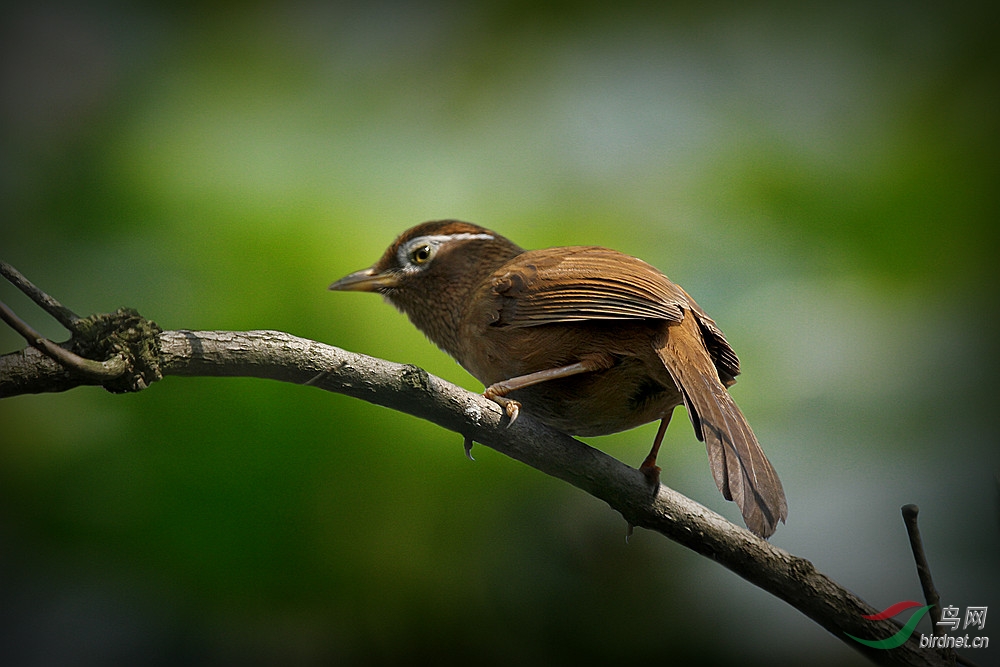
(651, 472)
(510, 407)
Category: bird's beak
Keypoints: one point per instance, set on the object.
(365, 280)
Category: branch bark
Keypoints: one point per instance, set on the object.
(280, 356)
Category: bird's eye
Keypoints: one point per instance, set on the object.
(421, 254)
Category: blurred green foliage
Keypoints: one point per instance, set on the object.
(822, 180)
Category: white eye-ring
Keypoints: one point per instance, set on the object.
(421, 250)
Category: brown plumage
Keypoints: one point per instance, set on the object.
(588, 340)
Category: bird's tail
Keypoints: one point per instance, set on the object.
(739, 465)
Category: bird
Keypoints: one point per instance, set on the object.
(588, 340)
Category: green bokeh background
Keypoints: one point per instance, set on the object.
(823, 180)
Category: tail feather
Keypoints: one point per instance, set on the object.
(739, 465)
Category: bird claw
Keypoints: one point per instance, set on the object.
(513, 409)
(510, 407)
(468, 448)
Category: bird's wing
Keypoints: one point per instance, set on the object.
(582, 283)
(576, 284)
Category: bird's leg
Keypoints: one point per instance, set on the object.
(498, 391)
(649, 467)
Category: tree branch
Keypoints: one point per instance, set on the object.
(280, 356)
(132, 352)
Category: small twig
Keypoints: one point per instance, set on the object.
(100, 370)
(923, 569)
(61, 313)
(926, 583)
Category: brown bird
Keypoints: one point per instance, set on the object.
(588, 340)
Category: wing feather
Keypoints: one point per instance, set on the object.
(583, 283)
